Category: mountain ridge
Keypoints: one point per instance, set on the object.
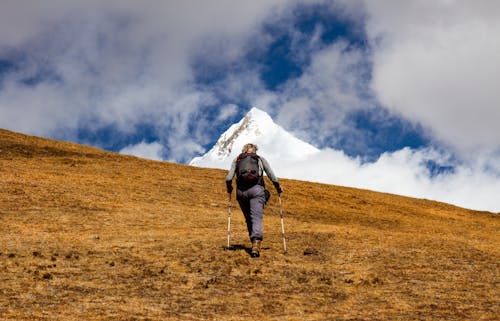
(90, 234)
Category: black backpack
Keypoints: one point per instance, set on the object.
(248, 172)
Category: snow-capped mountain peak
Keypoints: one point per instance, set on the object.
(256, 123)
(257, 127)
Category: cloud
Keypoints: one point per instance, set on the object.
(404, 172)
(437, 62)
(227, 111)
(468, 185)
(316, 104)
(123, 64)
(94, 64)
(152, 151)
(97, 63)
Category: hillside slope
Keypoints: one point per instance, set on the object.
(91, 235)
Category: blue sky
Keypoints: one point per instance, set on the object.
(366, 78)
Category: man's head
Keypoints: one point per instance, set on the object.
(249, 148)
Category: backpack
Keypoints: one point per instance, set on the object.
(248, 172)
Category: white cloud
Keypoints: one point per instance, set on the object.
(403, 172)
(124, 62)
(117, 62)
(144, 150)
(330, 88)
(437, 62)
(227, 111)
(472, 184)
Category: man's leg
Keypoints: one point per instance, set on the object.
(257, 201)
(245, 208)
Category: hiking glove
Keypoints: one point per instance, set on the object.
(278, 187)
(229, 186)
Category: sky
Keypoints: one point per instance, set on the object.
(390, 85)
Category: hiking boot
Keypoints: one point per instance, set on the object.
(255, 248)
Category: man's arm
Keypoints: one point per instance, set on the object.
(229, 177)
(270, 174)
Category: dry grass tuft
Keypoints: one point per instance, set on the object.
(91, 235)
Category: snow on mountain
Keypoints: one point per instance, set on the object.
(257, 127)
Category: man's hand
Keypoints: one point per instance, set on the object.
(229, 187)
(278, 187)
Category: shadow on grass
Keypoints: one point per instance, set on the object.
(238, 247)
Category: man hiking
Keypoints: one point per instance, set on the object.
(250, 191)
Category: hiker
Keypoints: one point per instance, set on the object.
(250, 190)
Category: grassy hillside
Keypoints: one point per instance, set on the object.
(91, 235)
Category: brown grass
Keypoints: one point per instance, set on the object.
(91, 235)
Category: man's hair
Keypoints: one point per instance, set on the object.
(249, 148)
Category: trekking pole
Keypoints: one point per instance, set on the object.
(282, 224)
(229, 221)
